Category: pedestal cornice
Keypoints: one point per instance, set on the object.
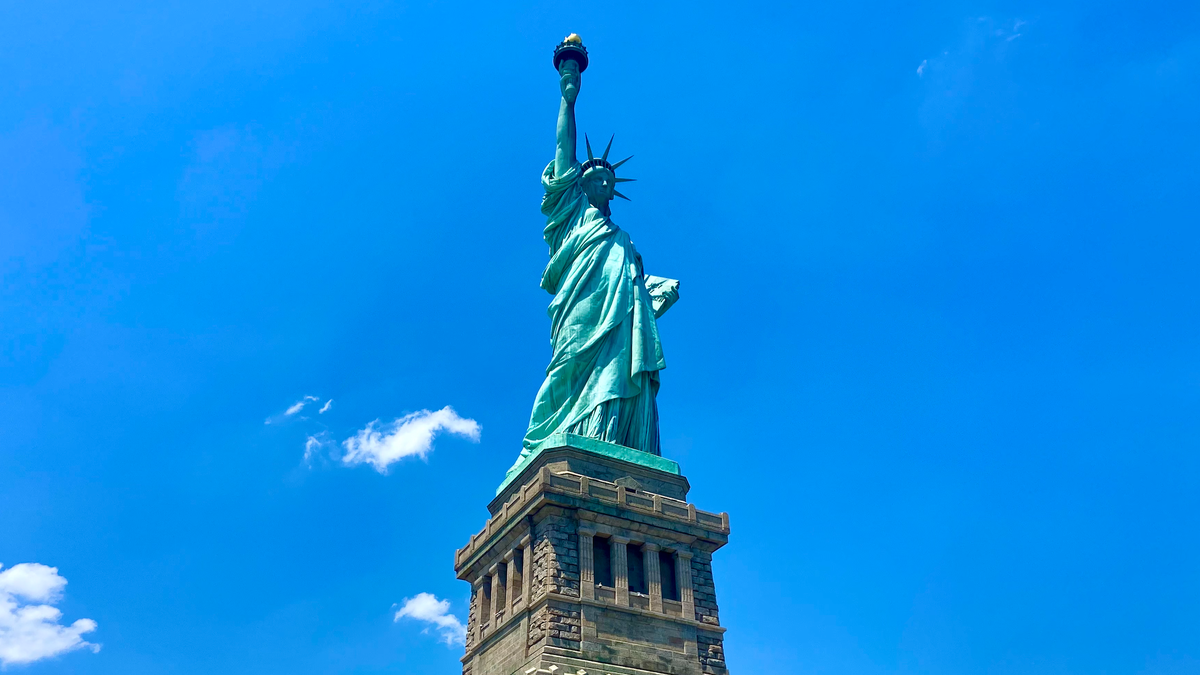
(601, 497)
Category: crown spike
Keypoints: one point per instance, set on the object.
(610, 140)
(621, 162)
(624, 180)
(622, 196)
(589, 147)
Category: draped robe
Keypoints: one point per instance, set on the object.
(603, 377)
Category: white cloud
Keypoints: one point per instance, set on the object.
(31, 632)
(921, 68)
(410, 435)
(325, 408)
(426, 607)
(311, 445)
(292, 410)
(299, 405)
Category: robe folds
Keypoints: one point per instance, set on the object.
(603, 377)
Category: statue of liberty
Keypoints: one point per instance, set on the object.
(604, 374)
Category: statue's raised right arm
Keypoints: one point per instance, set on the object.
(569, 78)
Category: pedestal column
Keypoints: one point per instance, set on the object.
(620, 569)
(509, 587)
(683, 576)
(653, 576)
(497, 596)
(526, 570)
(587, 565)
(480, 609)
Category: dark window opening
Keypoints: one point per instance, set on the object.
(602, 562)
(485, 601)
(518, 573)
(502, 582)
(666, 571)
(637, 570)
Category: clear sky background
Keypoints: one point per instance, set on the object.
(937, 351)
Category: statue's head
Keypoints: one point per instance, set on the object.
(599, 184)
(599, 181)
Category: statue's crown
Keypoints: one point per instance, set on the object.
(603, 163)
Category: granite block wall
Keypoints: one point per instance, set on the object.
(556, 557)
(711, 650)
(704, 591)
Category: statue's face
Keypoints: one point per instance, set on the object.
(598, 185)
(568, 71)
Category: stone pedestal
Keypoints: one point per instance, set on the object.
(591, 564)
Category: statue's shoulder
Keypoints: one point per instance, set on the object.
(568, 178)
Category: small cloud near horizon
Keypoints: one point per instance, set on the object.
(426, 607)
(31, 632)
(413, 434)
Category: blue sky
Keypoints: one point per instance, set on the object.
(936, 352)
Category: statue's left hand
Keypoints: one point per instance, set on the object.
(665, 301)
(663, 293)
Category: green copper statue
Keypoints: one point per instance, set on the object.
(603, 378)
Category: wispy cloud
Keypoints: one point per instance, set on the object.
(426, 607)
(313, 445)
(31, 632)
(981, 36)
(1015, 30)
(291, 410)
(413, 434)
(325, 408)
(299, 405)
(968, 67)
